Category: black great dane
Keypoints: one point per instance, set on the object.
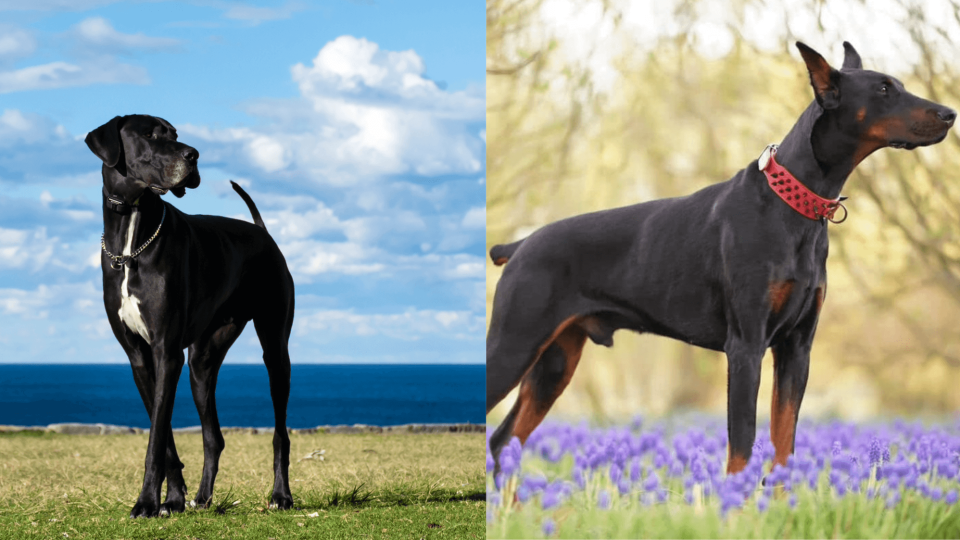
(739, 266)
(173, 281)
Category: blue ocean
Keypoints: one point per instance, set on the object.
(383, 395)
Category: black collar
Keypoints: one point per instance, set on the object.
(117, 204)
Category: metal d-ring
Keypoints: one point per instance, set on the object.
(838, 221)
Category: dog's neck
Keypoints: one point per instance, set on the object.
(821, 163)
(141, 212)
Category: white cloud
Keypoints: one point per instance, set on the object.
(15, 42)
(410, 325)
(98, 32)
(80, 298)
(17, 128)
(363, 113)
(63, 74)
(475, 218)
(28, 250)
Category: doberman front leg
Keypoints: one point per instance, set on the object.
(791, 364)
(168, 361)
(743, 383)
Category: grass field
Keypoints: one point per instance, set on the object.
(367, 486)
(888, 480)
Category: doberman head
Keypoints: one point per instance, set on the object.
(140, 152)
(864, 111)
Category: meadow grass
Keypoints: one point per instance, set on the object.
(817, 514)
(367, 486)
(567, 486)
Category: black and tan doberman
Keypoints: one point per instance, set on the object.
(173, 281)
(738, 267)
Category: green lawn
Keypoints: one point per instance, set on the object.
(367, 486)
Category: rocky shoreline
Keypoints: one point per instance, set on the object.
(109, 429)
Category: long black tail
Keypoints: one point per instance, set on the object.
(501, 253)
(253, 208)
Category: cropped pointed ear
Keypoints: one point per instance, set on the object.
(851, 59)
(105, 142)
(824, 79)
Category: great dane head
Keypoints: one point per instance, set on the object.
(144, 153)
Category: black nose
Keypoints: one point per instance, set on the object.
(190, 154)
(947, 115)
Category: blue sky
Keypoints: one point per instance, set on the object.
(357, 127)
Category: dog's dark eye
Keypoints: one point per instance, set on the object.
(150, 135)
(883, 89)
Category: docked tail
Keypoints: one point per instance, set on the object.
(501, 253)
(253, 208)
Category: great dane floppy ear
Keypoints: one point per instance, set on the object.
(824, 79)
(851, 59)
(105, 142)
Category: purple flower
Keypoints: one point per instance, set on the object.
(793, 500)
(635, 470)
(550, 499)
(951, 497)
(616, 473)
(490, 463)
(523, 493)
(652, 482)
(603, 500)
(762, 504)
(623, 486)
(893, 499)
(549, 527)
(578, 478)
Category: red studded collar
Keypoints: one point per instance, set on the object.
(795, 194)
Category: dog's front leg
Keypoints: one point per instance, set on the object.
(141, 362)
(743, 382)
(791, 365)
(168, 361)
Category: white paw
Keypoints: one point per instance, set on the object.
(164, 512)
(274, 506)
(193, 504)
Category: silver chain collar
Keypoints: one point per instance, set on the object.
(118, 261)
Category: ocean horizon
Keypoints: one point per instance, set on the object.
(320, 394)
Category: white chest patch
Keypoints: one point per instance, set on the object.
(129, 304)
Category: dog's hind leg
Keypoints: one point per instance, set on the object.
(274, 332)
(541, 387)
(205, 358)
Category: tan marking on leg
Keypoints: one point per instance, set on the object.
(532, 411)
(819, 294)
(735, 463)
(779, 294)
(500, 261)
(783, 422)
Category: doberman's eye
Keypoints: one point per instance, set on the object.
(883, 89)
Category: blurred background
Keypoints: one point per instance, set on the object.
(593, 104)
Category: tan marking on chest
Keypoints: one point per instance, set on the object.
(779, 294)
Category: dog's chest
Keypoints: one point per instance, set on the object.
(130, 304)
